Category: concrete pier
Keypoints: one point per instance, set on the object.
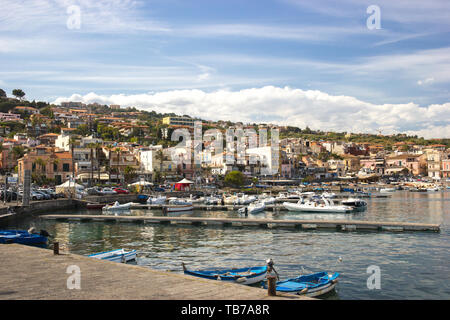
(339, 225)
(32, 273)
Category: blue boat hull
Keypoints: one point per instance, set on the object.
(22, 237)
(243, 275)
(312, 285)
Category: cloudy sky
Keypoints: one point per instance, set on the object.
(296, 62)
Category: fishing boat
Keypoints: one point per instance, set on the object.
(312, 285)
(355, 202)
(327, 206)
(156, 200)
(23, 237)
(177, 208)
(243, 275)
(117, 206)
(253, 208)
(118, 255)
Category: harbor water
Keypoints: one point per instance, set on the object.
(412, 265)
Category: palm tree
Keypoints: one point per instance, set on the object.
(41, 163)
(160, 157)
(118, 161)
(91, 146)
(98, 149)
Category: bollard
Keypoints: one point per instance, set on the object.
(271, 285)
(55, 247)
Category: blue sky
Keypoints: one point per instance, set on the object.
(171, 55)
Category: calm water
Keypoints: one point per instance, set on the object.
(413, 265)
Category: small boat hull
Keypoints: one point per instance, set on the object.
(244, 276)
(95, 206)
(312, 285)
(302, 208)
(22, 237)
(178, 208)
(119, 255)
(117, 207)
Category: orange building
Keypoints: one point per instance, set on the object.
(46, 161)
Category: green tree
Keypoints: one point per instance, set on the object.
(18, 93)
(235, 178)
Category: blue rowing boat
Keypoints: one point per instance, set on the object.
(22, 237)
(242, 275)
(311, 285)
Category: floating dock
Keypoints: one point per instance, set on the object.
(30, 273)
(339, 225)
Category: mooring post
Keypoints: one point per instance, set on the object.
(55, 247)
(271, 285)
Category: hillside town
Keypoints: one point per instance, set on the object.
(109, 145)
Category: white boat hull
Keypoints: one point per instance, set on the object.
(318, 291)
(119, 255)
(322, 209)
(179, 208)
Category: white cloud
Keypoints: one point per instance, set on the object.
(426, 81)
(288, 106)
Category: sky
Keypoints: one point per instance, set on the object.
(329, 65)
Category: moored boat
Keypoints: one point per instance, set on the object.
(156, 200)
(23, 237)
(118, 255)
(117, 206)
(327, 206)
(312, 285)
(355, 202)
(253, 208)
(242, 275)
(95, 206)
(178, 208)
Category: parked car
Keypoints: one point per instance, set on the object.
(94, 191)
(45, 196)
(108, 191)
(121, 191)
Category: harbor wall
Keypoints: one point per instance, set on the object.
(18, 212)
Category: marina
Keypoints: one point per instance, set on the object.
(417, 223)
(342, 225)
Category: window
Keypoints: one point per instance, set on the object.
(65, 167)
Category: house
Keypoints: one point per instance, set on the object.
(48, 162)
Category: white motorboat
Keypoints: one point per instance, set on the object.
(213, 200)
(329, 195)
(268, 200)
(244, 199)
(117, 206)
(179, 201)
(385, 190)
(156, 200)
(354, 202)
(253, 208)
(119, 255)
(327, 206)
